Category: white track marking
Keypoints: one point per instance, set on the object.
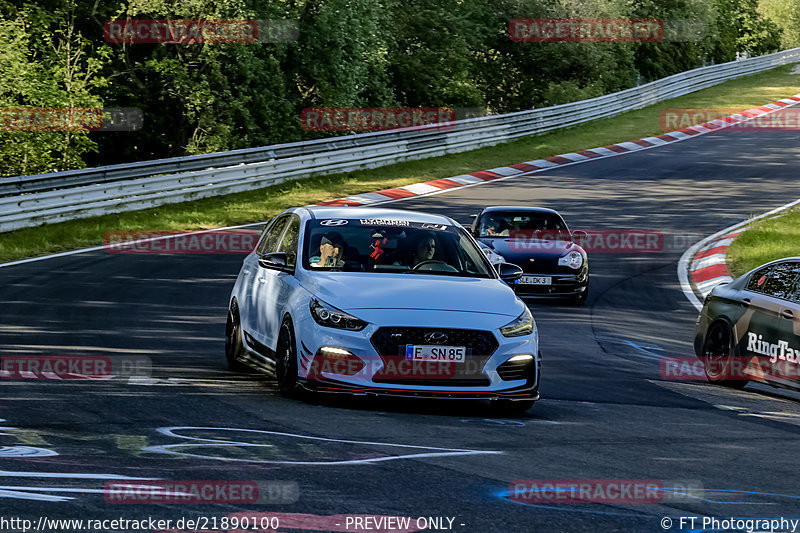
(19, 495)
(202, 441)
(25, 451)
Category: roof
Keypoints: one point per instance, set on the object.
(377, 212)
(525, 209)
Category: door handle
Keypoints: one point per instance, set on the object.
(262, 279)
(787, 314)
(745, 301)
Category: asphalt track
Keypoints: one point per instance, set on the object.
(605, 413)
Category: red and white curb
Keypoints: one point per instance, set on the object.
(539, 165)
(709, 266)
(704, 266)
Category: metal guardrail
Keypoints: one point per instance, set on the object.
(27, 201)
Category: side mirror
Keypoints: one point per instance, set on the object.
(274, 260)
(580, 234)
(509, 272)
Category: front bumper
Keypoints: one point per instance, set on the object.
(562, 286)
(481, 380)
(330, 386)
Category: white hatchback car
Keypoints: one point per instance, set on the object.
(381, 301)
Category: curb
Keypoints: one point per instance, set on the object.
(539, 165)
(704, 266)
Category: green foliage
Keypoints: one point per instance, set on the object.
(46, 63)
(206, 97)
(786, 15)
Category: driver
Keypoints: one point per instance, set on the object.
(425, 249)
(331, 248)
(493, 228)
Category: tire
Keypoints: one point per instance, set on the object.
(718, 356)
(511, 407)
(286, 361)
(233, 340)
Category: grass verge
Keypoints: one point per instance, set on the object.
(261, 204)
(765, 241)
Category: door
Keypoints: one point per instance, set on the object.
(255, 278)
(768, 323)
(273, 286)
(787, 328)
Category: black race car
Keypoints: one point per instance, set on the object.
(539, 241)
(749, 329)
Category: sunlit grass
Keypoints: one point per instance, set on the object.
(765, 241)
(261, 204)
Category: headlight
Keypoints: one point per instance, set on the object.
(328, 316)
(572, 260)
(522, 325)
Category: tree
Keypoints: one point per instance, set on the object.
(46, 63)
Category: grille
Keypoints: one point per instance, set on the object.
(511, 370)
(390, 343)
(542, 265)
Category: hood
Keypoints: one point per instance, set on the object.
(366, 290)
(513, 249)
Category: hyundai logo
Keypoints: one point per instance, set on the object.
(333, 222)
(436, 337)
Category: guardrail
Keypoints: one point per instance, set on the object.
(27, 201)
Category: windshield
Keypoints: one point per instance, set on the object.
(516, 224)
(395, 246)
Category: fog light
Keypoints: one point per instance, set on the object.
(335, 360)
(333, 351)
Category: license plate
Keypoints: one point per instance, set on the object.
(426, 352)
(535, 280)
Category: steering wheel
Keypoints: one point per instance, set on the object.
(434, 261)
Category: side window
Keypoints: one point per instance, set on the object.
(781, 280)
(758, 281)
(777, 281)
(289, 243)
(273, 232)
